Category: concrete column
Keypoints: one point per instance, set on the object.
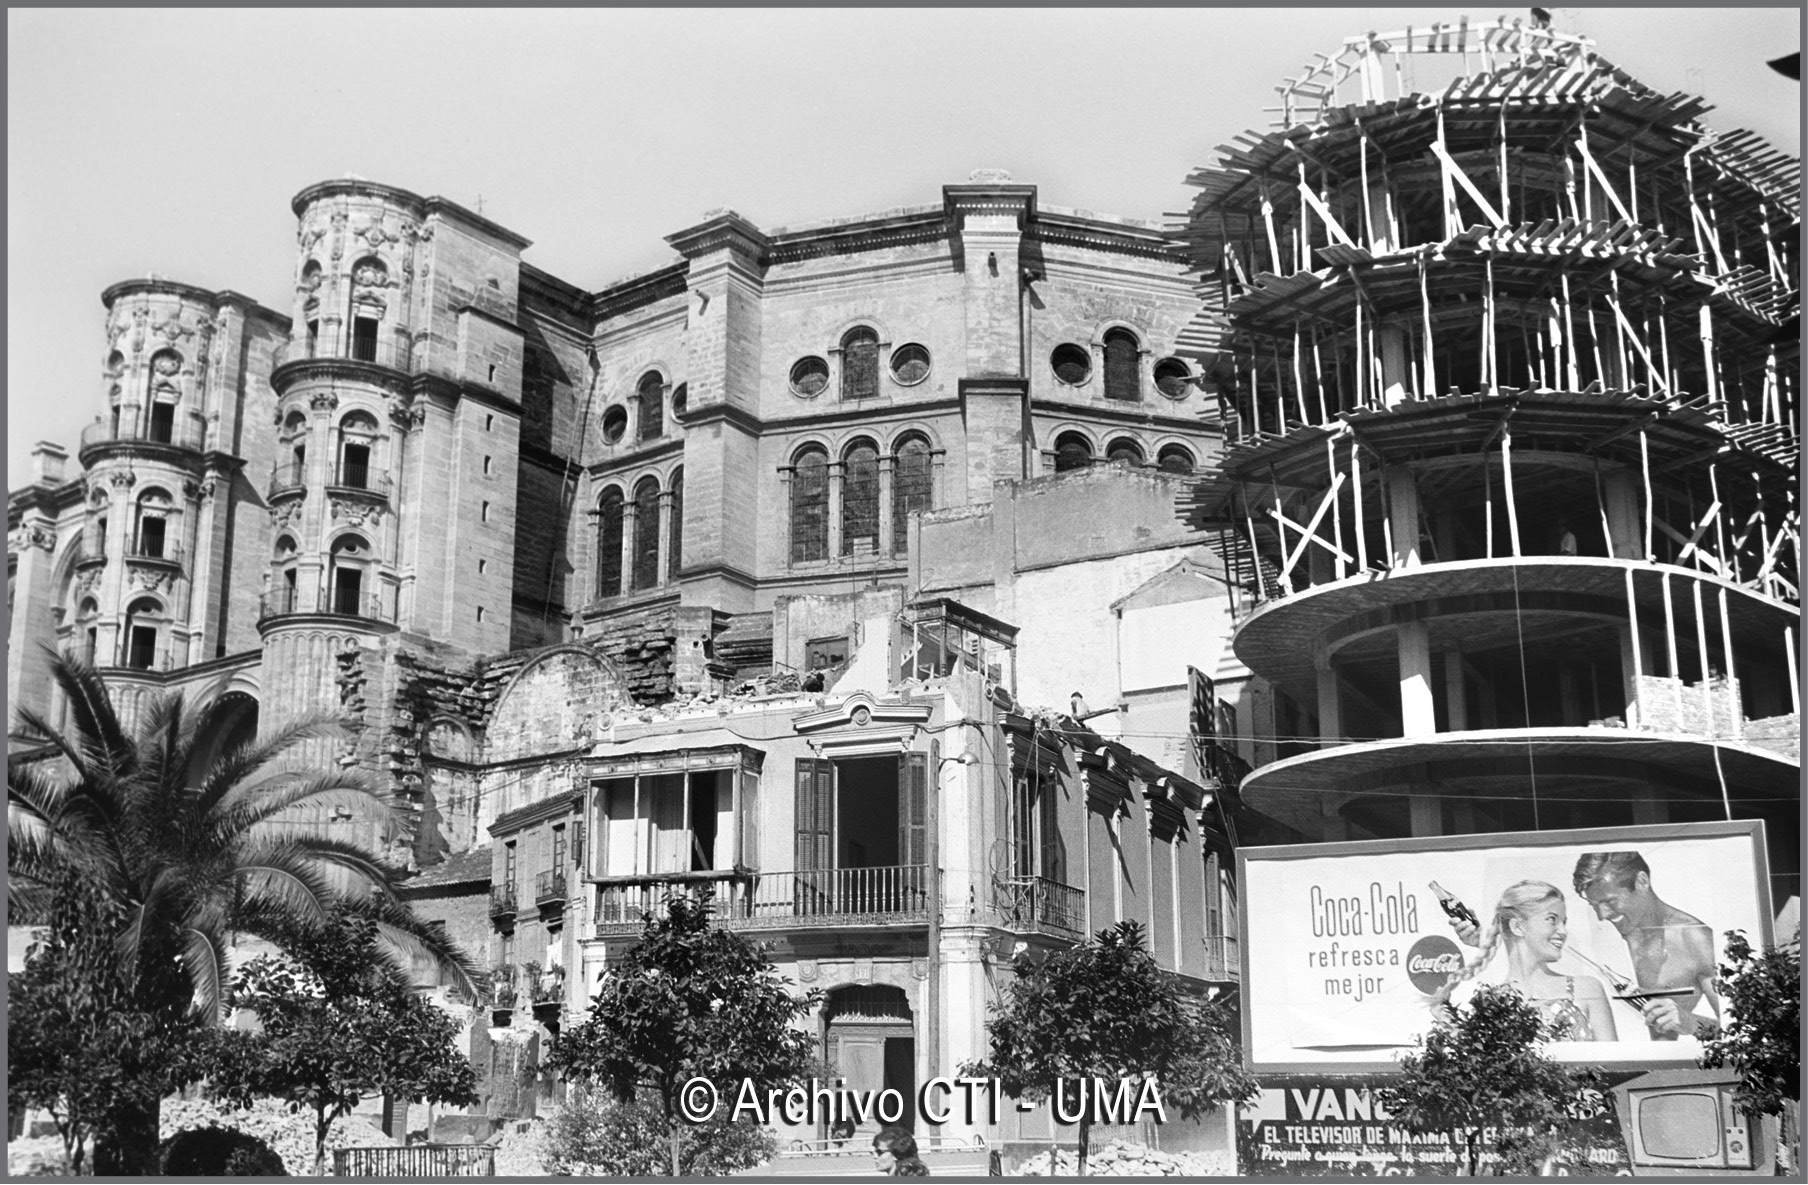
(1427, 813)
(1403, 502)
(1629, 672)
(1620, 494)
(1394, 365)
(1418, 715)
(1456, 698)
(1330, 706)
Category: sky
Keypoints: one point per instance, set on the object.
(172, 140)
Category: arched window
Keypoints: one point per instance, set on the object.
(1072, 451)
(675, 547)
(650, 391)
(1124, 449)
(357, 438)
(860, 499)
(1175, 458)
(609, 543)
(810, 507)
(286, 592)
(860, 364)
(646, 533)
(166, 370)
(142, 620)
(1121, 366)
(911, 477)
(151, 536)
(350, 556)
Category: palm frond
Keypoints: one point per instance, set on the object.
(367, 872)
(104, 742)
(204, 959)
(240, 764)
(408, 938)
(251, 806)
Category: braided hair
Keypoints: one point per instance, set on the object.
(1516, 903)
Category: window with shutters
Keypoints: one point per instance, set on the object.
(646, 533)
(1122, 364)
(609, 543)
(860, 500)
(810, 506)
(1036, 846)
(862, 836)
(657, 824)
(911, 489)
(860, 364)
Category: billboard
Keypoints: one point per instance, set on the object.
(1616, 934)
(1323, 1126)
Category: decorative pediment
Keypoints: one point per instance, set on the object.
(861, 726)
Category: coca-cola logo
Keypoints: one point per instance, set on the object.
(1431, 962)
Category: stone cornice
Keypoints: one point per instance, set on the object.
(989, 198)
(725, 230)
(639, 291)
(551, 807)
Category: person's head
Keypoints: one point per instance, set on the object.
(1617, 885)
(1533, 916)
(892, 1145)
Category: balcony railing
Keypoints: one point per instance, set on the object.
(824, 897)
(1037, 903)
(359, 478)
(502, 901)
(288, 478)
(185, 430)
(338, 602)
(385, 351)
(163, 553)
(549, 889)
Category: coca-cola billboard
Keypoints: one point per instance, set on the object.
(1351, 950)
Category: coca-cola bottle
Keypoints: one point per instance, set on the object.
(1453, 907)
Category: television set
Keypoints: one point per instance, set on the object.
(1683, 1120)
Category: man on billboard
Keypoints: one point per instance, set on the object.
(1672, 951)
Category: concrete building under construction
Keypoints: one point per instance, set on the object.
(1508, 496)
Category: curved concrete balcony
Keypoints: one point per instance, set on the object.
(1283, 640)
(381, 361)
(178, 438)
(284, 607)
(1555, 764)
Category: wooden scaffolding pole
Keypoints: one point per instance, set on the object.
(1506, 466)
(1638, 661)
(1732, 672)
(1645, 469)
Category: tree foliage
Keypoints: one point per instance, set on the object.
(186, 856)
(686, 1001)
(79, 1043)
(1481, 1067)
(1106, 1009)
(335, 1025)
(1763, 1038)
(595, 1135)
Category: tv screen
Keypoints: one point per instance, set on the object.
(1680, 1125)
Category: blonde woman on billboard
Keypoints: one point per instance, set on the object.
(1532, 924)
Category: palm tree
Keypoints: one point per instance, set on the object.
(193, 856)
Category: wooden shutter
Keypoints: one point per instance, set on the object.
(1053, 864)
(815, 815)
(913, 809)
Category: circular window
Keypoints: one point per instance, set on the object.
(615, 424)
(1073, 365)
(679, 397)
(910, 364)
(1171, 378)
(809, 377)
